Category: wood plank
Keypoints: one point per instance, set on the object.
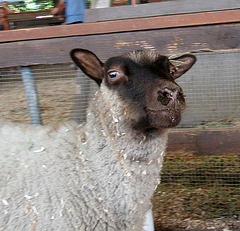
(27, 15)
(159, 9)
(128, 25)
(30, 23)
(167, 41)
(198, 142)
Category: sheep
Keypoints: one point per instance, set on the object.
(100, 175)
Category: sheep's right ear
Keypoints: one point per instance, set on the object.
(89, 63)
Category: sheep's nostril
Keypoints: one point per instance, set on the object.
(164, 97)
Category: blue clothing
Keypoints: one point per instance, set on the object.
(1, 27)
(74, 11)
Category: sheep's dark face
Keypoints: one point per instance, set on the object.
(143, 80)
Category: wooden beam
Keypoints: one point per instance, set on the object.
(128, 25)
(199, 142)
(167, 41)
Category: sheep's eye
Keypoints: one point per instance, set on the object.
(116, 76)
(113, 74)
(172, 72)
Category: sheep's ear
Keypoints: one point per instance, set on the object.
(181, 64)
(89, 63)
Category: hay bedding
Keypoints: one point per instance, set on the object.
(56, 102)
(55, 97)
(181, 209)
(199, 193)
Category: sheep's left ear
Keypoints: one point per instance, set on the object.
(181, 64)
(89, 63)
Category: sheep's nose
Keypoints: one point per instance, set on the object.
(167, 95)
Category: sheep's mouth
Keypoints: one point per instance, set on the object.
(164, 117)
(159, 118)
(170, 110)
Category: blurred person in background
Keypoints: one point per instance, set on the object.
(4, 24)
(74, 11)
(6, 7)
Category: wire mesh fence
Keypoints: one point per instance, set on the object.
(63, 93)
(212, 90)
(192, 188)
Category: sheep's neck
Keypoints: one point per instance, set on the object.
(116, 143)
(120, 161)
(112, 123)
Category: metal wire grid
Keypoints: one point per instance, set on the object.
(212, 90)
(205, 171)
(63, 93)
(206, 187)
(202, 188)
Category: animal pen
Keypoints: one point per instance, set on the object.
(200, 186)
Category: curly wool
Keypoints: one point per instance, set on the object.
(88, 177)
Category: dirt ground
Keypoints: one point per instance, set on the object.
(175, 209)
